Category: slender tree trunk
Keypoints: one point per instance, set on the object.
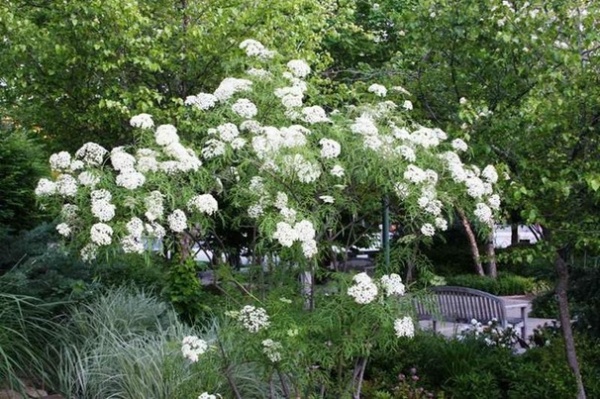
(514, 234)
(472, 242)
(492, 267)
(565, 322)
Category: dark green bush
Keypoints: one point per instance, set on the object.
(22, 164)
(505, 284)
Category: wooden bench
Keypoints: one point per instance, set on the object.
(461, 305)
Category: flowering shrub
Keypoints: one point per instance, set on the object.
(253, 156)
(492, 334)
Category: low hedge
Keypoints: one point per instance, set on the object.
(505, 284)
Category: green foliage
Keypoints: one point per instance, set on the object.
(184, 290)
(128, 344)
(504, 284)
(26, 331)
(104, 59)
(22, 164)
(471, 369)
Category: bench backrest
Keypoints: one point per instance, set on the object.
(460, 304)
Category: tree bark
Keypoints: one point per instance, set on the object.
(472, 242)
(492, 267)
(514, 234)
(565, 322)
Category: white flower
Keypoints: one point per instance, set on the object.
(87, 178)
(45, 188)
(378, 90)
(66, 185)
(76, 165)
(494, 201)
(227, 131)
(281, 200)
(89, 252)
(165, 135)
(258, 73)
(203, 101)
(103, 210)
(309, 248)
(206, 395)
(250, 125)
(121, 160)
(154, 205)
(328, 199)
(130, 179)
(143, 121)
(484, 213)
(299, 68)
(285, 234)
(230, 86)
(475, 187)
(489, 174)
(288, 214)
(255, 211)
(364, 125)
(255, 48)
(91, 153)
(253, 319)
(459, 145)
(135, 227)
(177, 221)
(407, 105)
(392, 284)
(305, 230)
(271, 349)
(329, 148)
(428, 230)
(204, 203)
(101, 234)
(60, 161)
(364, 290)
(314, 114)
(132, 245)
(192, 347)
(415, 174)
(245, 108)
(404, 327)
(337, 171)
(63, 229)
(441, 224)
(69, 212)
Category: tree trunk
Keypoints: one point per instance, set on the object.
(565, 322)
(492, 267)
(472, 242)
(514, 234)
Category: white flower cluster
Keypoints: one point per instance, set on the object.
(45, 188)
(392, 284)
(177, 221)
(204, 203)
(89, 252)
(378, 90)
(305, 171)
(92, 154)
(66, 185)
(60, 161)
(272, 350)
(203, 101)
(254, 48)
(206, 395)
(459, 145)
(484, 213)
(142, 121)
(244, 108)
(154, 205)
(132, 242)
(404, 327)
(88, 178)
(364, 289)
(253, 319)
(337, 171)
(192, 347)
(102, 208)
(101, 234)
(329, 148)
(303, 231)
(63, 229)
(314, 114)
(299, 68)
(230, 86)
